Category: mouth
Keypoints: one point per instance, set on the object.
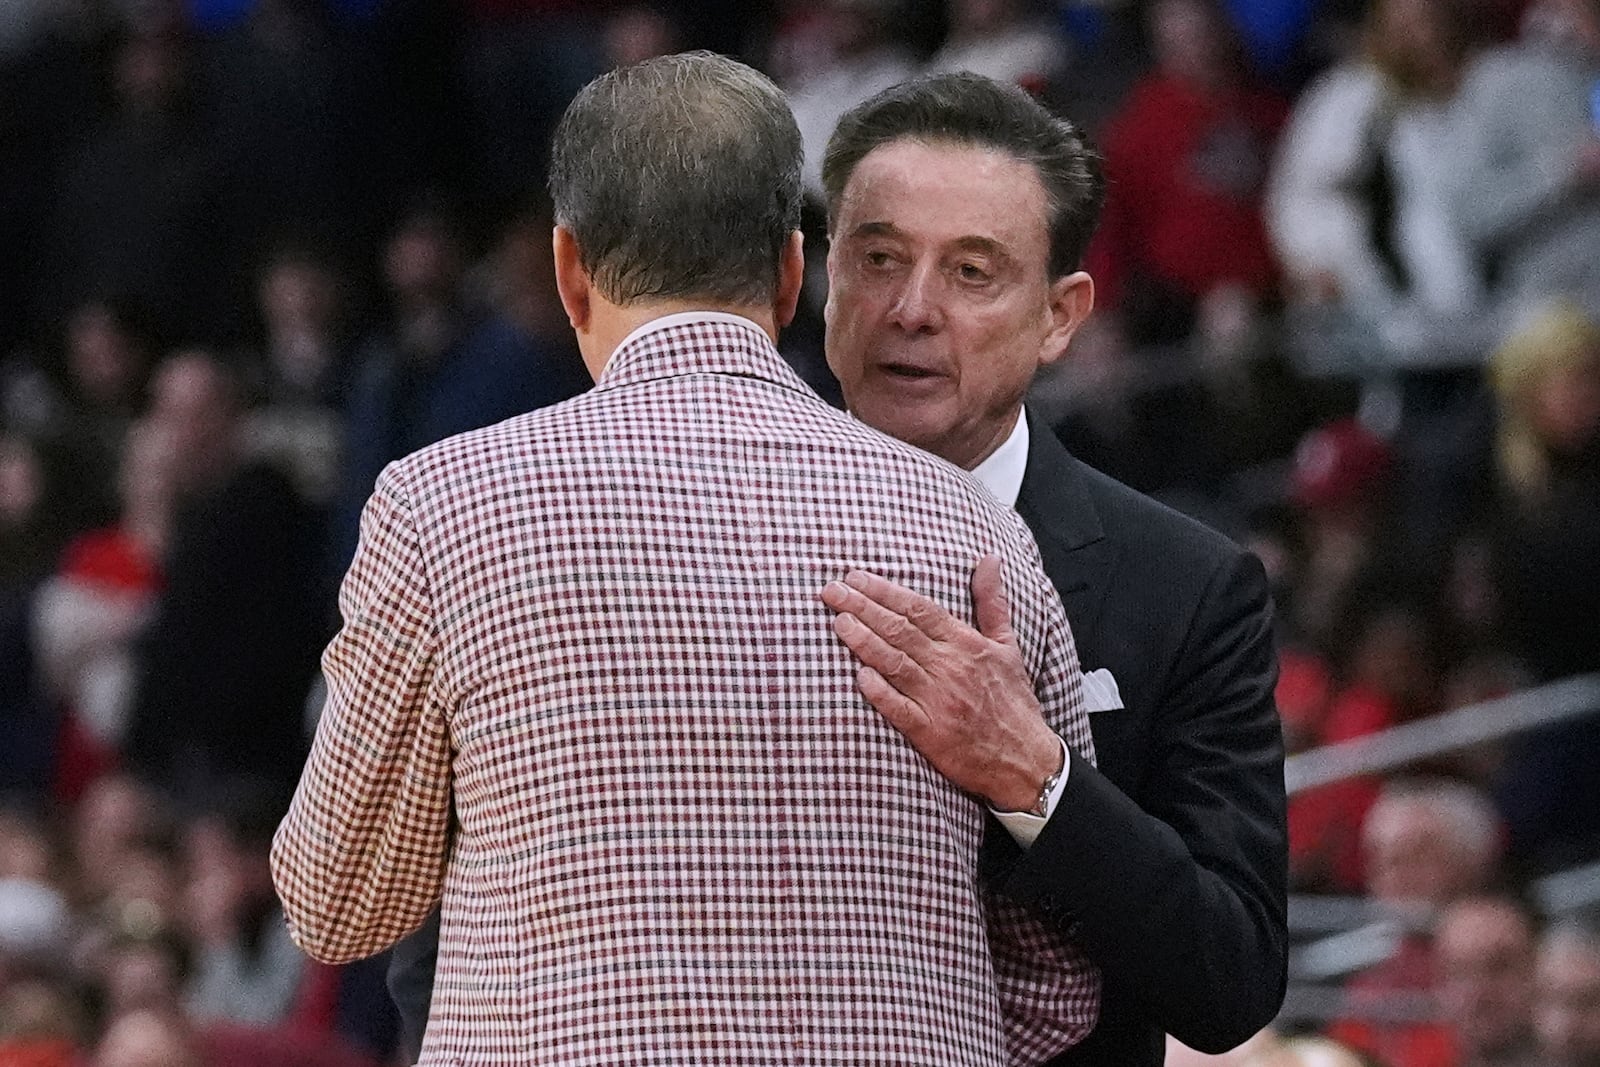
(909, 372)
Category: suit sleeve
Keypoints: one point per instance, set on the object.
(359, 859)
(1183, 904)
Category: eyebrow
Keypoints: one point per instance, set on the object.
(986, 245)
(875, 229)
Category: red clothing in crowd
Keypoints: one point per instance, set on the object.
(114, 563)
(1325, 823)
(1410, 970)
(1185, 172)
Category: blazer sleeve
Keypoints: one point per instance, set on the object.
(359, 859)
(1183, 901)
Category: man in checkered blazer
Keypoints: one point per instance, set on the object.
(586, 697)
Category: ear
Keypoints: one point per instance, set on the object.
(791, 276)
(1071, 300)
(572, 281)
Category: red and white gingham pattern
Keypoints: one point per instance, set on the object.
(679, 835)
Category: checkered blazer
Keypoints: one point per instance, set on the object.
(586, 690)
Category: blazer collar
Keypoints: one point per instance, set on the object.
(1059, 508)
(688, 344)
(1055, 498)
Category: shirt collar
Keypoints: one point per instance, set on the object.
(684, 318)
(1002, 470)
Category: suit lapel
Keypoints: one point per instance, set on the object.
(1056, 504)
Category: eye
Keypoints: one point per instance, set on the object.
(971, 272)
(877, 258)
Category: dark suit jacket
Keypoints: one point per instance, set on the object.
(1169, 863)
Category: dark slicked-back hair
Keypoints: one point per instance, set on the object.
(679, 178)
(973, 111)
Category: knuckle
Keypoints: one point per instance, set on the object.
(899, 664)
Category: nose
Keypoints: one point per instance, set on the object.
(916, 306)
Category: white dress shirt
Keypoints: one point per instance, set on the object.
(1001, 473)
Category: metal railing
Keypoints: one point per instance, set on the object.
(1342, 935)
(1400, 746)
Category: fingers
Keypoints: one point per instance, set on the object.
(903, 713)
(923, 613)
(989, 602)
(904, 633)
(893, 664)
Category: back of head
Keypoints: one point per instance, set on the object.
(679, 178)
(973, 111)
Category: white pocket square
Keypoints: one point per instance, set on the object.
(1100, 691)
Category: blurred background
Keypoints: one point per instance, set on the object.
(1349, 277)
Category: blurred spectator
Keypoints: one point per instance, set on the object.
(1566, 1007)
(41, 1024)
(147, 1039)
(304, 366)
(1526, 164)
(109, 354)
(1003, 40)
(141, 968)
(84, 411)
(31, 526)
(30, 535)
(1339, 485)
(89, 614)
(1547, 380)
(1358, 201)
(127, 889)
(28, 852)
(230, 653)
(300, 299)
(860, 56)
(247, 969)
(440, 366)
(1484, 946)
(1426, 844)
(1547, 554)
(1390, 678)
(1186, 158)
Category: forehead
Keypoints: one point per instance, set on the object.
(947, 193)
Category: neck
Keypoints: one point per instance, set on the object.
(611, 324)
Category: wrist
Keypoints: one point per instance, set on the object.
(1028, 790)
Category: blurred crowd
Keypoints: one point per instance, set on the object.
(1348, 312)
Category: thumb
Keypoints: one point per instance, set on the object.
(989, 601)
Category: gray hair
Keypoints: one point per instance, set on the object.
(1464, 810)
(679, 178)
(971, 110)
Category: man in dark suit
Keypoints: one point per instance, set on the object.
(959, 210)
(949, 288)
